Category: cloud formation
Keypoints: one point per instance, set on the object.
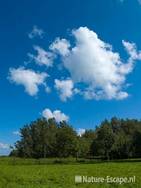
(28, 78)
(60, 46)
(16, 133)
(57, 114)
(36, 32)
(65, 88)
(4, 146)
(131, 49)
(93, 63)
(80, 131)
(42, 57)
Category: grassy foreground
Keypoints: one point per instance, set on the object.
(17, 173)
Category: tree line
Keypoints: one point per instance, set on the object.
(112, 139)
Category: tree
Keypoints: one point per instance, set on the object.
(43, 138)
(37, 139)
(137, 143)
(122, 146)
(66, 141)
(102, 144)
(114, 139)
(85, 142)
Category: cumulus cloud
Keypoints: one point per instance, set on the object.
(57, 114)
(42, 57)
(28, 78)
(90, 63)
(80, 131)
(36, 32)
(4, 146)
(65, 88)
(60, 46)
(93, 63)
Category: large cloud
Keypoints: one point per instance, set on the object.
(28, 78)
(93, 63)
(57, 114)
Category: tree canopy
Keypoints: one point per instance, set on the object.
(112, 139)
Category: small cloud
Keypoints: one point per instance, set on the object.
(65, 88)
(57, 114)
(60, 46)
(36, 32)
(28, 78)
(16, 133)
(80, 131)
(4, 146)
(131, 49)
(42, 57)
(48, 89)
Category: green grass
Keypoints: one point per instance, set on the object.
(30, 173)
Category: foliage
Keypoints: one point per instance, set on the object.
(114, 139)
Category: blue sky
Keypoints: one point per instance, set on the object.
(82, 91)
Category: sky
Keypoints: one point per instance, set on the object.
(78, 61)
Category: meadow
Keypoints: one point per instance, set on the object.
(53, 173)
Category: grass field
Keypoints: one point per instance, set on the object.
(17, 173)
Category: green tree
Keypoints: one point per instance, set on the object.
(102, 144)
(66, 141)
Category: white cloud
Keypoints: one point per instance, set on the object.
(28, 78)
(36, 32)
(65, 88)
(131, 49)
(80, 131)
(42, 57)
(16, 133)
(93, 66)
(60, 46)
(93, 63)
(57, 114)
(4, 146)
